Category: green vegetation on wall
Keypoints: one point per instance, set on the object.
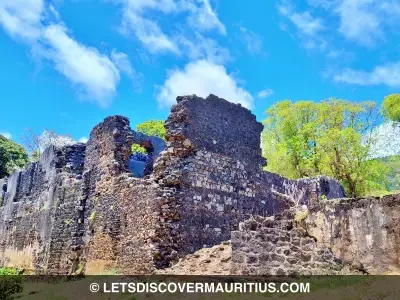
(305, 138)
(12, 156)
(152, 128)
(136, 148)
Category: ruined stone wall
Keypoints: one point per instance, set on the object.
(364, 231)
(80, 209)
(38, 203)
(211, 177)
(278, 245)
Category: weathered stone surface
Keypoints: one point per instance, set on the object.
(252, 255)
(364, 231)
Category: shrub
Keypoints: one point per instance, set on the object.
(136, 148)
(10, 282)
(391, 107)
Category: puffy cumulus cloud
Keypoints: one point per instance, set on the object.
(95, 74)
(388, 74)
(6, 135)
(202, 78)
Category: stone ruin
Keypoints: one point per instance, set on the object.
(80, 209)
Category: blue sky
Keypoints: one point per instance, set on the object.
(67, 64)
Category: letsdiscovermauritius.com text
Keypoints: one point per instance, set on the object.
(200, 287)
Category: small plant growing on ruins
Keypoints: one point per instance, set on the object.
(92, 217)
(79, 271)
(323, 198)
(68, 221)
(136, 148)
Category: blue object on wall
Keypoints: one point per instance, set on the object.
(137, 167)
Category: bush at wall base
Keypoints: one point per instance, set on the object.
(10, 282)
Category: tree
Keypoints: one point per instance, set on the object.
(391, 107)
(12, 156)
(36, 143)
(333, 138)
(152, 128)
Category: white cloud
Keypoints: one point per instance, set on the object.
(265, 93)
(54, 12)
(386, 139)
(95, 74)
(388, 74)
(205, 18)
(6, 135)
(202, 78)
(148, 32)
(305, 22)
(121, 61)
(83, 140)
(200, 47)
(252, 40)
(362, 21)
(201, 17)
(309, 28)
(359, 21)
(22, 19)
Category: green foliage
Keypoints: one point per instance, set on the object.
(152, 128)
(79, 271)
(304, 139)
(136, 148)
(12, 156)
(391, 107)
(10, 283)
